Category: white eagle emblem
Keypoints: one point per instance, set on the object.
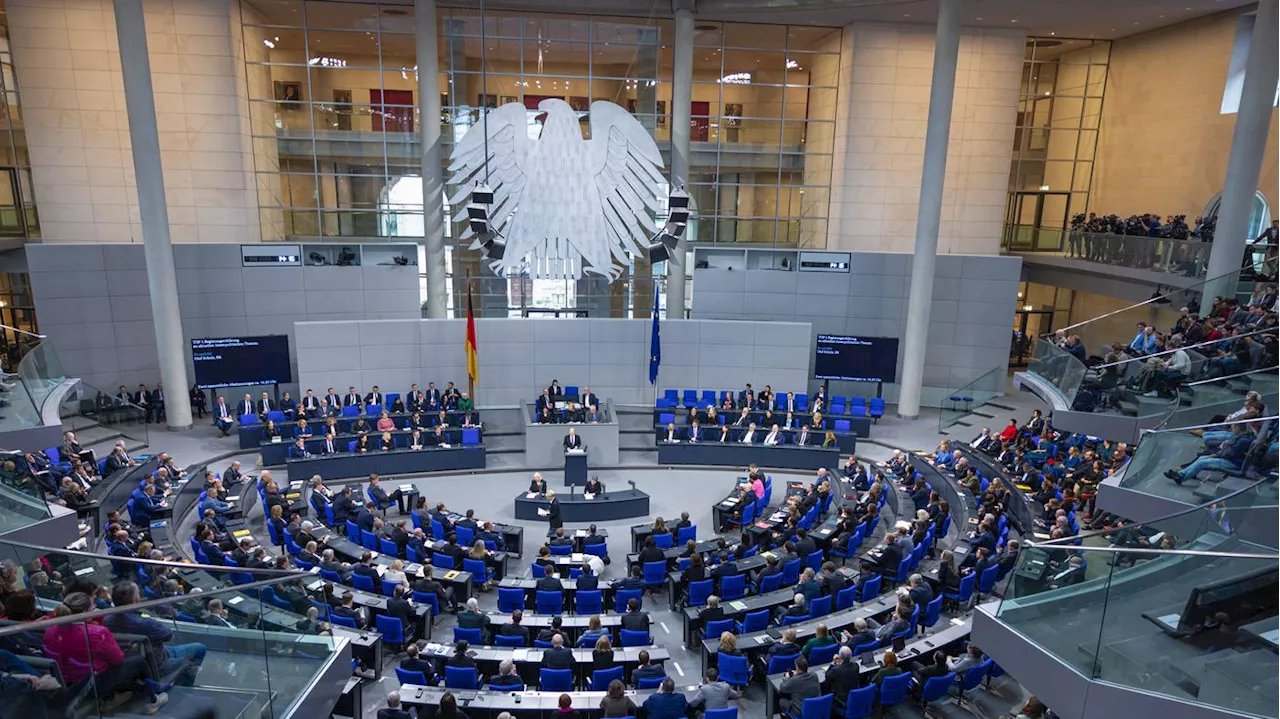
(562, 203)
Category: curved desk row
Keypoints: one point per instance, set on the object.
(574, 508)
(277, 453)
(486, 704)
(736, 454)
(398, 461)
(251, 433)
(1023, 508)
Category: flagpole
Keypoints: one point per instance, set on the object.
(471, 381)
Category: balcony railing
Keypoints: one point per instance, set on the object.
(1188, 258)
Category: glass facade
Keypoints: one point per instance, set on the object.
(18, 216)
(333, 95)
(1063, 82)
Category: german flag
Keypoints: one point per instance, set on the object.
(473, 363)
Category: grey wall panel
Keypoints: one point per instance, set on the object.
(74, 283)
(723, 280)
(973, 306)
(129, 308)
(127, 282)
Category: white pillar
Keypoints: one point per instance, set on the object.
(919, 301)
(429, 118)
(162, 282)
(681, 94)
(1244, 165)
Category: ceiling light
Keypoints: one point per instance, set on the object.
(792, 64)
(737, 78)
(327, 62)
(1053, 33)
(269, 44)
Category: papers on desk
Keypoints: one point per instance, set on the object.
(275, 439)
(520, 655)
(236, 498)
(373, 555)
(451, 574)
(957, 621)
(588, 495)
(380, 569)
(413, 568)
(444, 445)
(728, 503)
(575, 451)
(315, 570)
(580, 533)
(543, 512)
(235, 600)
(738, 605)
(84, 570)
(296, 484)
(313, 586)
(406, 488)
(531, 495)
(241, 533)
(577, 558)
(159, 523)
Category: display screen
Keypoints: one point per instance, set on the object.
(241, 361)
(858, 359)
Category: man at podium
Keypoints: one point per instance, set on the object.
(572, 440)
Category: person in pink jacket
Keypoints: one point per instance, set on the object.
(85, 650)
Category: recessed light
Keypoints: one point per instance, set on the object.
(1053, 33)
(906, 14)
(1014, 20)
(980, 18)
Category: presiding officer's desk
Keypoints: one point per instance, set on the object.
(351, 552)
(396, 461)
(737, 454)
(920, 647)
(544, 443)
(487, 704)
(574, 508)
(755, 643)
(251, 433)
(858, 426)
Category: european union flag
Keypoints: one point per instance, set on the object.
(655, 344)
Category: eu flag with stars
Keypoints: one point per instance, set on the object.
(655, 344)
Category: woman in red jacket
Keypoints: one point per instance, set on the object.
(86, 650)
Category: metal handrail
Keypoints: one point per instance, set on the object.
(1188, 347)
(1214, 424)
(1162, 552)
(24, 332)
(1272, 368)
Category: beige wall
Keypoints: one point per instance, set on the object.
(886, 74)
(1163, 145)
(68, 64)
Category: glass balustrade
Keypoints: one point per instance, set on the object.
(95, 413)
(1057, 367)
(1201, 401)
(1182, 606)
(971, 396)
(213, 646)
(1187, 258)
(1203, 465)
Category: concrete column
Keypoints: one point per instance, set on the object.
(681, 94)
(162, 281)
(432, 184)
(941, 93)
(1244, 165)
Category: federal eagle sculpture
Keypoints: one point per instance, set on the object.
(563, 204)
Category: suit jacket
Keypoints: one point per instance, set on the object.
(265, 405)
(572, 441)
(636, 621)
(671, 435)
(589, 400)
(373, 398)
(798, 688)
(554, 658)
(351, 400)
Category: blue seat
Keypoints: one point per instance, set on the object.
(440, 559)
(472, 636)
(936, 688)
(904, 570)
(636, 638)
(391, 629)
(814, 561)
(369, 540)
(756, 621)
(972, 677)
(822, 655)
(437, 530)
(843, 425)
(342, 621)
(478, 568)
(708, 397)
(699, 591)
(871, 589)
(389, 588)
(650, 682)
(510, 599)
(733, 586)
(963, 592)
(373, 410)
(837, 407)
(771, 583)
(780, 663)
(330, 576)
(817, 707)
(538, 571)
(718, 627)
(846, 597)
(821, 606)
(599, 550)
(248, 420)
(858, 410)
(734, 670)
(462, 678)
(622, 596)
(791, 571)
(870, 646)
(588, 602)
(555, 680)
(987, 580)
(386, 546)
(430, 599)
(664, 541)
(363, 583)
(666, 418)
(655, 573)
(503, 640)
(689, 398)
(860, 703)
(405, 676)
(789, 620)
(353, 531)
(893, 690)
(876, 408)
(932, 613)
(571, 390)
(561, 550)
(549, 602)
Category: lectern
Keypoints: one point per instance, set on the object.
(575, 467)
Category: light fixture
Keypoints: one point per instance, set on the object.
(667, 239)
(491, 243)
(327, 62)
(1044, 188)
(736, 78)
(1028, 308)
(792, 64)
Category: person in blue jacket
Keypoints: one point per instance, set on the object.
(1228, 458)
(666, 703)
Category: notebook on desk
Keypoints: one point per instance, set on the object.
(451, 574)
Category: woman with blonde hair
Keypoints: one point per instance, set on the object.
(729, 644)
(602, 654)
(395, 573)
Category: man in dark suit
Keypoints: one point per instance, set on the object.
(927, 670)
(513, 628)
(352, 398)
(265, 405)
(1071, 573)
(804, 544)
(919, 591)
(414, 663)
(647, 669)
(157, 402)
(671, 433)
(335, 402)
(427, 584)
(891, 555)
(634, 580)
(650, 552)
(559, 540)
(414, 400)
(331, 445)
(451, 549)
(553, 511)
(393, 709)
(431, 398)
(242, 553)
(588, 398)
(833, 582)
(299, 449)
(726, 568)
(487, 534)
(843, 674)
(400, 608)
(374, 397)
(365, 568)
(572, 440)
(634, 619)
(380, 495)
(364, 517)
(587, 581)
(348, 609)
(222, 416)
(863, 633)
(558, 656)
(310, 404)
(142, 398)
(344, 508)
(549, 582)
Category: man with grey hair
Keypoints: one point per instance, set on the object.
(713, 693)
(393, 709)
(558, 656)
(180, 661)
(843, 674)
(506, 678)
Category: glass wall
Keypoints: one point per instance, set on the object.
(1063, 82)
(18, 216)
(333, 95)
